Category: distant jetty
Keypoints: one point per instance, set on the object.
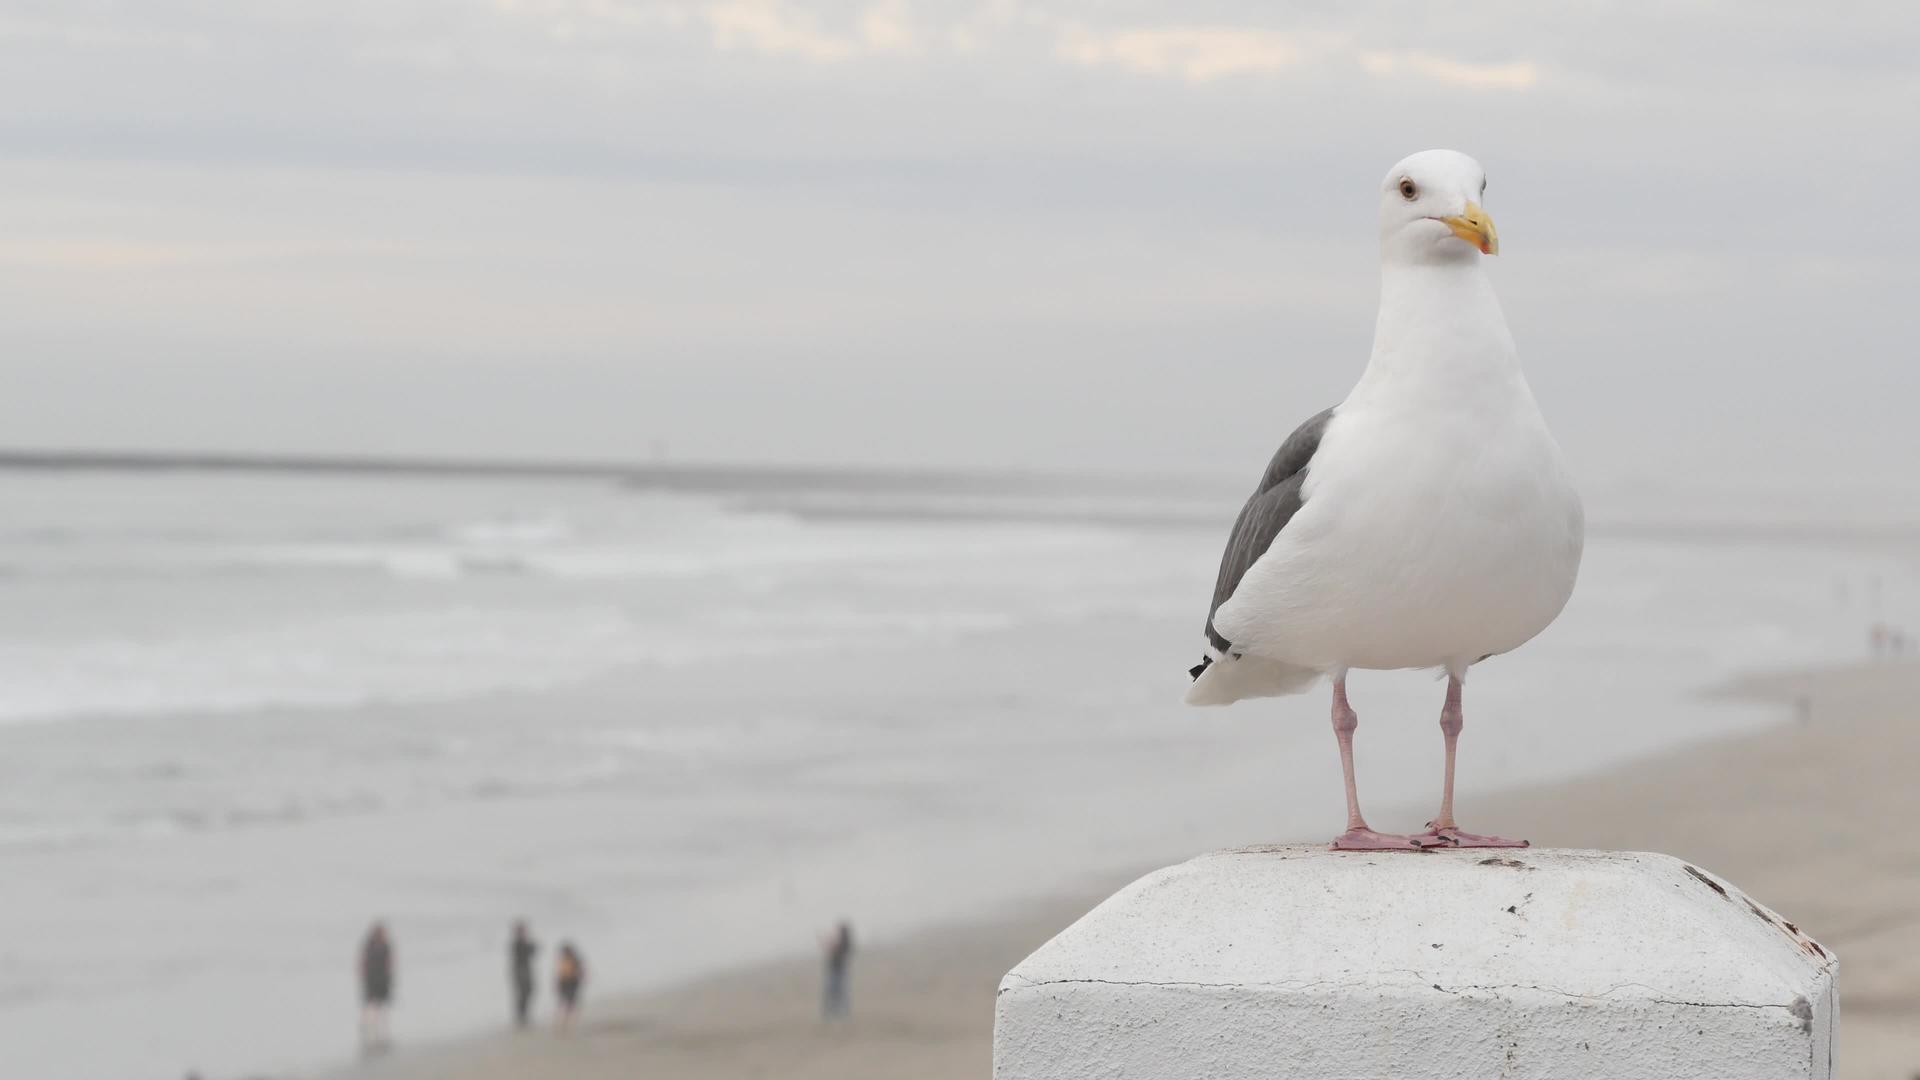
(812, 491)
(708, 476)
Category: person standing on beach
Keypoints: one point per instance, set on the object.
(521, 950)
(838, 949)
(569, 973)
(376, 989)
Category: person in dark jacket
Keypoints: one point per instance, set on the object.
(521, 950)
(376, 988)
(838, 950)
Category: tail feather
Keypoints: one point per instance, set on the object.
(1222, 678)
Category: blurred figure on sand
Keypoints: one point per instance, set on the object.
(376, 989)
(1887, 640)
(521, 949)
(838, 948)
(569, 972)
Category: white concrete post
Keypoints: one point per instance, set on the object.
(1532, 965)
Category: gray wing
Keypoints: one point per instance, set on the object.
(1273, 504)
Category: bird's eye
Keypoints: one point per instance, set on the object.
(1483, 189)
(1407, 190)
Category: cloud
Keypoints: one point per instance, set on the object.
(1200, 54)
(96, 255)
(1194, 53)
(1514, 76)
(771, 29)
(777, 28)
(888, 27)
(101, 35)
(617, 12)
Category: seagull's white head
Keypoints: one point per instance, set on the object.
(1430, 210)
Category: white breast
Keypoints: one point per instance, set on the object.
(1440, 524)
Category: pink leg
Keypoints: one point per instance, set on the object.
(1442, 830)
(1357, 837)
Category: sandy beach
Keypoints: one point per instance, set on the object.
(1809, 817)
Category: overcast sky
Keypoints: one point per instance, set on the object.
(999, 233)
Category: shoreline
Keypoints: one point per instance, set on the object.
(1760, 807)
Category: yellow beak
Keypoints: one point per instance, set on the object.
(1476, 228)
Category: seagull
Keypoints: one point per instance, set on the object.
(1427, 521)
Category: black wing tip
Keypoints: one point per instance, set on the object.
(1200, 668)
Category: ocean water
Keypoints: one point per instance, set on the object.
(691, 724)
